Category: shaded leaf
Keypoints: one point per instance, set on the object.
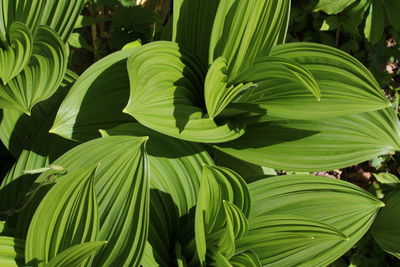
(11, 251)
(332, 7)
(317, 145)
(392, 8)
(374, 25)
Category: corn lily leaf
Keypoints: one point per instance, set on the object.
(11, 251)
(176, 173)
(346, 85)
(61, 16)
(332, 7)
(278, 83)
(392, 8)
(96, 100)
(375, 23)
(317, 145)
(14, 57)
(318, 200)
(192, 25)
(41, 77)
(122, 191)
(67, 216)
(76, 255)
(245, 259)
(218, 185)
(244, 30)
(25, 11)
(385, 228)
(167, 95)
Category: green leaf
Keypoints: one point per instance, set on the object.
(166, 95)
(11, 251)
(219, 184)
(354, 16)
(217, 93)
(392, 8)
(387, 179)
(122, 191)
(346, 85)
(13, 58)
(276, 239)
(374, 25)
(317, 145)
(61, 15)
(329, 24)
(332, 7)
(176, 171)
(41, 77)
(385, 229)
(76, 255)
(67, 216)
(244, 30)
(86, 21)
(245, 259)
(78, 41)
(318, 199)
(96, 100)
(192, 25)
(278, 82)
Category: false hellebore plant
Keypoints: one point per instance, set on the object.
(143, 188)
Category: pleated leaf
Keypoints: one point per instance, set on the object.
(61, 15)
(11, 251)
(246, 29)
(385, 229)
(219, 184)
(67, 216)
(76, 255)
(25, 11)
(192, 25)
(392, 8)
(96, 100)
(14, 57)
(332, 7)
(375, 24)
(278, 83)
(217, 93)
(346, 85)
(336, 203)
(41, 77)
(176, 171)
(122, 192)
(318, 145)
(166, 95)
(245, 259)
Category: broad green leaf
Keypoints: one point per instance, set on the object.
(122, 191)
(11, 251)
(78, 41)
(76, 255)
(14, 57)
(192, 24)
(176, 171)
(218, 184)
(217, 93)
(25, 11)
(385, 228)
(244, 30)
(166, 95)
(236, 221)
(318, 199)
(374, 25)
(354, 16)
(329, 24)
(387, 179)
(245, 259)
(332, 7)
(61, 15)
(276, 239)
(96, 100)
(317, 145)
(41, 77)
(67, 216)
(278, 83)
(86, 21)
(392, 8)
(346, 85)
